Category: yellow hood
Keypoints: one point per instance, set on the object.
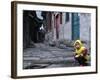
(79, 41)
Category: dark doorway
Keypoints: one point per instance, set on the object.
(31, 28)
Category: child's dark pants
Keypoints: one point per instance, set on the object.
(81, 60)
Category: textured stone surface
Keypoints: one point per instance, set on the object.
(44, 56)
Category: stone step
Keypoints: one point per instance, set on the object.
(50, 61)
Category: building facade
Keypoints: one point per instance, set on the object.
(70, 26)
(61, 26)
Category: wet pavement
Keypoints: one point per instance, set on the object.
(45, 56)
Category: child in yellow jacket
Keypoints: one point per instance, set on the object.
(81, 53)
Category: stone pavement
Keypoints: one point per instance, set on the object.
(45, 56)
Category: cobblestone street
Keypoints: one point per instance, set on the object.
(45, 56)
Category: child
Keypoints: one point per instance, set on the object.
(81, 53)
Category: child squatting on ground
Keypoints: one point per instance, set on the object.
(81, 55)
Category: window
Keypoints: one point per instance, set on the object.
(67, 17)
(60, 17)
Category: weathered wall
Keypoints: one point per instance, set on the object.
(65, 28)
(85, 27)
